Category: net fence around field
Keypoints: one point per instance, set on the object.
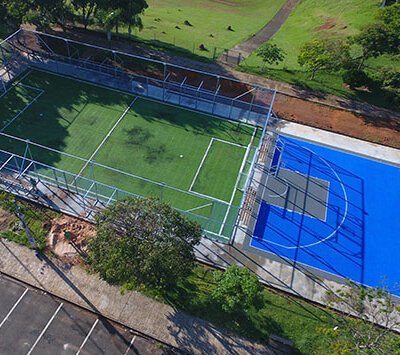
(213, 94)
(20, 172)
(218, 96)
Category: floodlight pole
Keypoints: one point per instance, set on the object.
(251, 105)
(90, 174)
(180, 90)
(162, 190)
(4, 85)
(215, 98)
(23, 160)
(68, 51)
(197, 93)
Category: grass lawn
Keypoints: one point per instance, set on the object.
(209, 20)
(277, 313)
(153, 141)
(323, 18)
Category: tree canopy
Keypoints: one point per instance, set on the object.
(143, 241)
(270, 53)
(365, 322)
(237, 289)
(45, 13)
(323, 54)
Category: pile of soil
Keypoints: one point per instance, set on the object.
(79, 231)
(329, 23)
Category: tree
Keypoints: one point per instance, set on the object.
(86, 8)
(323, 54)
(390, 16)
(270, 53)
(131, 14)
(366, 320)
(108, 18)
(143, 241)
(373, 39)
(356, 78)
(237, 289)
(47, 12)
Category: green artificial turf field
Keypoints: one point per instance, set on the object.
(164, 22)
(184, 150)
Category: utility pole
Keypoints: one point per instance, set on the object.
(21, 217)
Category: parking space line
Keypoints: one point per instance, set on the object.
(44, 329)
(130, 345)
(13, 307)
(87, 336)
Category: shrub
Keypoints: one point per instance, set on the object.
(356, 78)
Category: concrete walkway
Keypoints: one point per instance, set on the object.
(132, 309)
(245, 48)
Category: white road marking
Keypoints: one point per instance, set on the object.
(87, 336)
(44, 329)
(13, 307)
(130, 345)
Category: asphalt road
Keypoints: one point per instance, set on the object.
(33, 322)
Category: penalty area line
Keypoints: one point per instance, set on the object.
(237, 180)
(197, 208)
(201, 164)
(23, 110)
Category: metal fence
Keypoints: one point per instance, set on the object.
(174, 85)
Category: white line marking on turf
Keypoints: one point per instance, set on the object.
(205, 156)
(231, 143)
(15, 84)
(201, 164)
(106, 137)
(23, 110)
(197, 208)
(30, 87)
(144, 97)
(13, 307)
(130, 345)
(87, 336)
(209, 198)
(44, 329)
(237, 182)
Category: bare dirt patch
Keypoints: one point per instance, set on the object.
(329, 23)
(79, 231)
(382, 131)
(5, 219)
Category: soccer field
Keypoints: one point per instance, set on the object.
(187, 159)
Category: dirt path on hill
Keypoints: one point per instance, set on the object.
(265, 34)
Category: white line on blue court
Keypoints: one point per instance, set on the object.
(341, 222)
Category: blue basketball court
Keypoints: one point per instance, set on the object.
(336, 212)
